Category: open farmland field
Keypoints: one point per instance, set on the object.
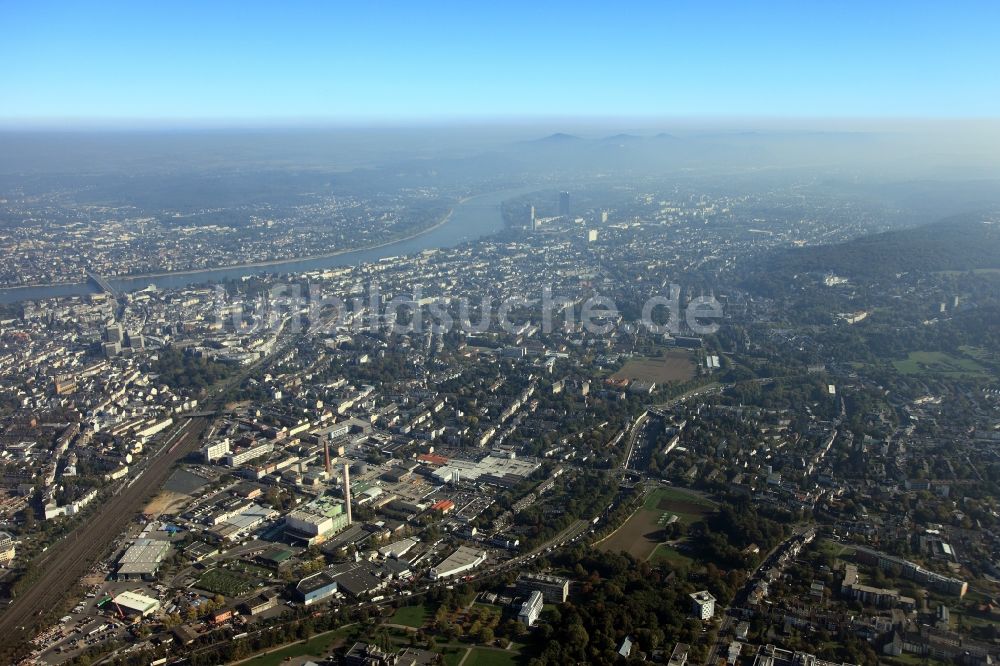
(638, 537)
(674, 366)
(644, 531)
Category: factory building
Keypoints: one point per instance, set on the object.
(142, 559)
(317, 521)
(133, 603)
(462, 560)
(237, 458)
(315, 588)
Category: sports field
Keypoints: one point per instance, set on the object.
(674, 366)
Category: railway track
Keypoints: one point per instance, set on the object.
(76, 554)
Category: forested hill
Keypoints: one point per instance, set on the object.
(954, 244)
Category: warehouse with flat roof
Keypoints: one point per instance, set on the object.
(459, 562)
(142, 559)
(316, 587)
(133, 603)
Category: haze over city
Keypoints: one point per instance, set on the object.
(528, 334)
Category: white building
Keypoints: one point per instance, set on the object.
(531, 609)
(7, 548)
(138, 604)
(702, 605)
(215, 450)
(240, 457)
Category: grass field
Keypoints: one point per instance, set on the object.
(638, 537)
(486, 657)
(224, 582)
(664, 554)
(686, 505)
(453, 655)
(410, 616)
(674, 366)
(940, 364)
(906, 659)
(835, 549)
(643, 533)
(318, 647)
(982, 355)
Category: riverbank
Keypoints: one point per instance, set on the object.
(253, 264)
(469, 219)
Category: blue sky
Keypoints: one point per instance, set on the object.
(360, 62)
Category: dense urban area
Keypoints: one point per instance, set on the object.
(509, 457)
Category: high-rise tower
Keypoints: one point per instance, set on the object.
(564, 203)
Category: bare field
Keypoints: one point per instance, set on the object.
(639, 536)
(675, 366)
(643, 532)
(166, 502)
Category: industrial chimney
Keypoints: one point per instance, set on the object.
(347, 491)
(326, 452)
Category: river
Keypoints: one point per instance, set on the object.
(473, 218)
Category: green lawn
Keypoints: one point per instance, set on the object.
(941, 364)
(486, 657)
(669, 556)
(906, 659)
(410, 616)
(689, 507)
(675, 495)
(318, 647)
(452, 655)
(834, 549)
(981, 355)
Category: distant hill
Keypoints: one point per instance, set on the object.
(954, 244)
(558, 137)
(617, 138)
